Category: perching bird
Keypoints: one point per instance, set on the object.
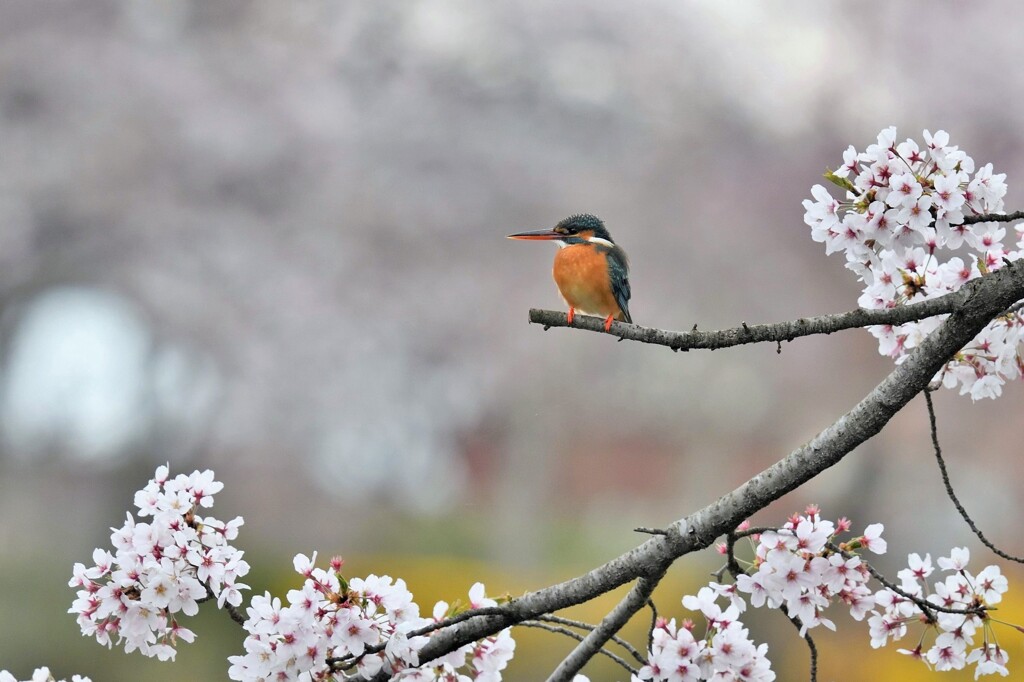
(591, 271)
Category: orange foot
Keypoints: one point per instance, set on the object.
(572, 314)
(608, 322)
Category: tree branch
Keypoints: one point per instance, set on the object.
(994, 218)
(775, 332)
(635, 600)
(974, 305)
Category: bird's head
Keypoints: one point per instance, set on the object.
(575, 229)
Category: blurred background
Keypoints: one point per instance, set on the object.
(267, 238)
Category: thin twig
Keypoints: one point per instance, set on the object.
(756, 530)
(232, 611)
(559, 620)
(235, 614)
(949, 486)
(654, 624)
(579, 638)
(813, 674)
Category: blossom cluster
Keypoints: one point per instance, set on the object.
(797, 567)
(40, 675)
(901, 225)
(160, 568)
(954, 633)
(333, 625)
(724, 653)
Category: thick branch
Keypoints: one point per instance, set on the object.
(973, 306)
(612, 623)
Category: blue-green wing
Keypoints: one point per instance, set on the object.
(618, 270)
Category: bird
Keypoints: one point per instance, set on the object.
(591, 271)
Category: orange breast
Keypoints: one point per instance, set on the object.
(581, 273)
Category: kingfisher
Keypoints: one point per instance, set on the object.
(590, 270)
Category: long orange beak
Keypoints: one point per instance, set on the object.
(537, 234)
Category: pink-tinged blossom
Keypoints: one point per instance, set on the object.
(705, 602)
(850, 163)
(948, 198)
(905, 190)
(791, 577)
(872, 539)
(916, 217)
(883, 628)
(304, 565)
(990, 585)
(990, 659)
(909, 152)
(957, 560)
(477, 598)
(754, 585)
(839, 572)
(822, 215)
(936, 143)
(951, 655)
